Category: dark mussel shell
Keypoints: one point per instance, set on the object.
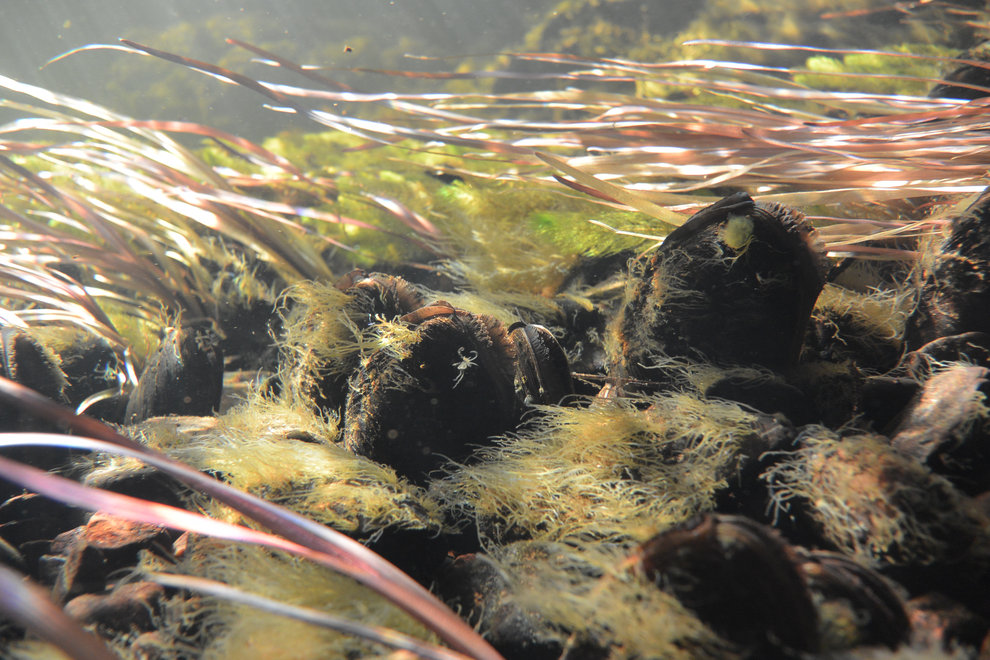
(482, 592)
(734, 285)
(541, 365)
(373, 296)
(942, 623)
(857, 606)
(183, 377)
(28, 362)
(970, 347)
(973, 76)
(955, 295)
(739, 577)
(91, 369)
(379, 294)
(445, 393)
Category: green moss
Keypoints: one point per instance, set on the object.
(893, 74)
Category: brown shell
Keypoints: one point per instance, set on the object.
(739, 577)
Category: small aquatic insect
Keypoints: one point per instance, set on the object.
(465, 362)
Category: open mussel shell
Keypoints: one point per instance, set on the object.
(541, 365)
(739, 577)
(183, 377)
(734, 285)
(436, 396)
(955, 296)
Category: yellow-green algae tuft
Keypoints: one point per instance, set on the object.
(605, 470)
(585, 594)
(240, 632)
(286, 454)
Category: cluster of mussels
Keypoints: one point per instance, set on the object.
(856, 513)
(734, 289)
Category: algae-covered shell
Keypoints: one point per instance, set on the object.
(955, 296)
(734, 285)
(947, 427)
(434, 396)
(856, 605)
(28, 362)
(379, 294)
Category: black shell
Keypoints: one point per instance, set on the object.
(864, 608)
(541, 365)
(183, 377)
(28, 362)
(734, 285)
(955, 297)
(739, 577)
(450, 392)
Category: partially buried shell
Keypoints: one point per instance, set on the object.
(856, 605)
(183, 377)
(947, 427)
(734, 285)
(739, 577)
(27, 362)
(955, 296)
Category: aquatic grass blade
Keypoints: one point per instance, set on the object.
(769, 134)
(614, 192)
(384, 636)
